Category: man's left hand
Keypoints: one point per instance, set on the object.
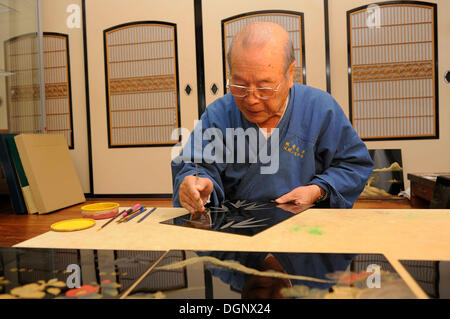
(302, 195)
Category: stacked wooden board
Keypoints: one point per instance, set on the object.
(40, 173)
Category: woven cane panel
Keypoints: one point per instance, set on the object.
(142, 84)
(155, 281)
(24, 109)
(24, 91)
(392, 72)
(57, 82)
(292, 23)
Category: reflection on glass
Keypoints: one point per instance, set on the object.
(178, 274)
(262, 275)
(432, 276)
(386, 179)
(79, 274)
(20, 94)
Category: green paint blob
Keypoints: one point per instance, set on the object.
(315, 231)
(298, 228)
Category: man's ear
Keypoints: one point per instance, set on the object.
(291, 73)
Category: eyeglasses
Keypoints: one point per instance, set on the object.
(261, 93)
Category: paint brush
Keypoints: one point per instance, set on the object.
(134, 212)
(200, 204)
(129, 211)
(104, 225)
(125, 218)
(151, 211)
(143, 209)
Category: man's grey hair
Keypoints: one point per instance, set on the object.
(258, 34)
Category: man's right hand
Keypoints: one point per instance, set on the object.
(193, 190)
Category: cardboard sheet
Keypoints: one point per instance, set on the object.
(50, 171)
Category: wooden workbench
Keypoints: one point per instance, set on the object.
(406, 234)
(401, 234)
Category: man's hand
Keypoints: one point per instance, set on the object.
(194, 193)
(294, 208)
(302, 195)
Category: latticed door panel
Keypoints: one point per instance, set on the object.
(58, 100)
(392, 62)
(23, 89)
(142, 84)
(24, 106)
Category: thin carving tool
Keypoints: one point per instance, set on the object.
(143, 209)
(129, 211)
(104, 225)
(133, 213)
(151, 211)
(125, 218)
(200, 204)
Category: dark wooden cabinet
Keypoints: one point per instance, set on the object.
(422, 188)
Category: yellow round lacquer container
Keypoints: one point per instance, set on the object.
(73, 224)
(100, 210)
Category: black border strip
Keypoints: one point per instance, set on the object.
(252, 13)
(200, 60)
(88, 107)
(69, 81)
(436, 69)
(327, 44)
(5, 63)
(303, 47)
(175, 41)
(437, 279)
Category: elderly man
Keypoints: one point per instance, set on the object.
(317, 154)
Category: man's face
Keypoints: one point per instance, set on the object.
(257, 68)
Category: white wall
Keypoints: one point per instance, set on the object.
(420, 156)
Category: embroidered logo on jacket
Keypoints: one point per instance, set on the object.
(293, 149)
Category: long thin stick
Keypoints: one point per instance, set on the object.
(127, 292)
(200, 204)
(151, 211)
(129, 213)
(135, 215)
(104, 225)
